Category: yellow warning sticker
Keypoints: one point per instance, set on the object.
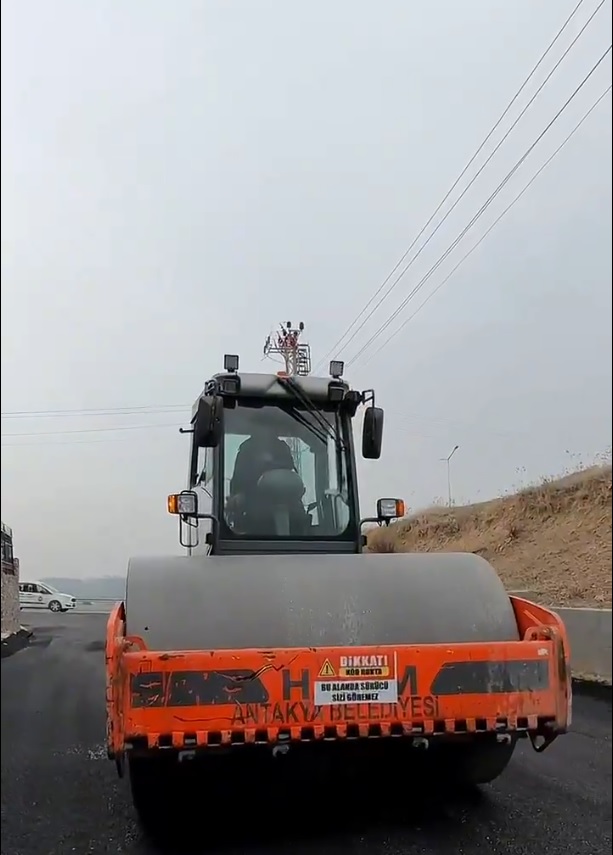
(327, 670)
(364, 666)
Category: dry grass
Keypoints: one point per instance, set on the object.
(553, 539)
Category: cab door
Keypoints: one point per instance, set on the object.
(23, 595)
(201, 481)
(28, 597)
(43, 596)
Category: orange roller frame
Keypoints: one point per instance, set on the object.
(203, 699)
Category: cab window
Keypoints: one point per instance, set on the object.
(303, 456)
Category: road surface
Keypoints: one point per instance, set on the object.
(61, 796)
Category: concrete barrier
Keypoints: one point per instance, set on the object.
(10, 598)
(589, 632)
(96, 605)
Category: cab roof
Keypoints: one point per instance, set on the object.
(267, 386)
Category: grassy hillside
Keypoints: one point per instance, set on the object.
(553, 539)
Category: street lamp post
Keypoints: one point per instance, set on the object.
(447, 460)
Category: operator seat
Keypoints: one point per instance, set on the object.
(266, 491)
(258, 454)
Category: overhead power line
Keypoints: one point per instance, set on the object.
(410, 417)
(90, 430)
(105, 411)
(165, 407)
(477, 174)
(493, 225)
(479, 213)
(461, 175)
(50, 443)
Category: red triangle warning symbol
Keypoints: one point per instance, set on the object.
(327, 670)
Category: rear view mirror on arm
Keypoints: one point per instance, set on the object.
(372, 433)
(387, 510)
(390, 509)
(185, 506)
(208, 424)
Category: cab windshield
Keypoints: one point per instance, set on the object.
(284, 472)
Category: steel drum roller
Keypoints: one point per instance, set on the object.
(274, 601)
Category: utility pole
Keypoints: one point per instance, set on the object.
(447, 460)
(296, 354)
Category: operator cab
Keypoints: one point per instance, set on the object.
(272, 464)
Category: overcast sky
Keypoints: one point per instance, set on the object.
(179, 177)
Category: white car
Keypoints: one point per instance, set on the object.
(36, 595)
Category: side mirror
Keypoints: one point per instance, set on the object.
(185, 506)
(208, 425)
(389, 509)
(372, 433)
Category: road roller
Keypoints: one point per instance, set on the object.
(275, 632)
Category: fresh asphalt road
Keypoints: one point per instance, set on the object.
(61, 796)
